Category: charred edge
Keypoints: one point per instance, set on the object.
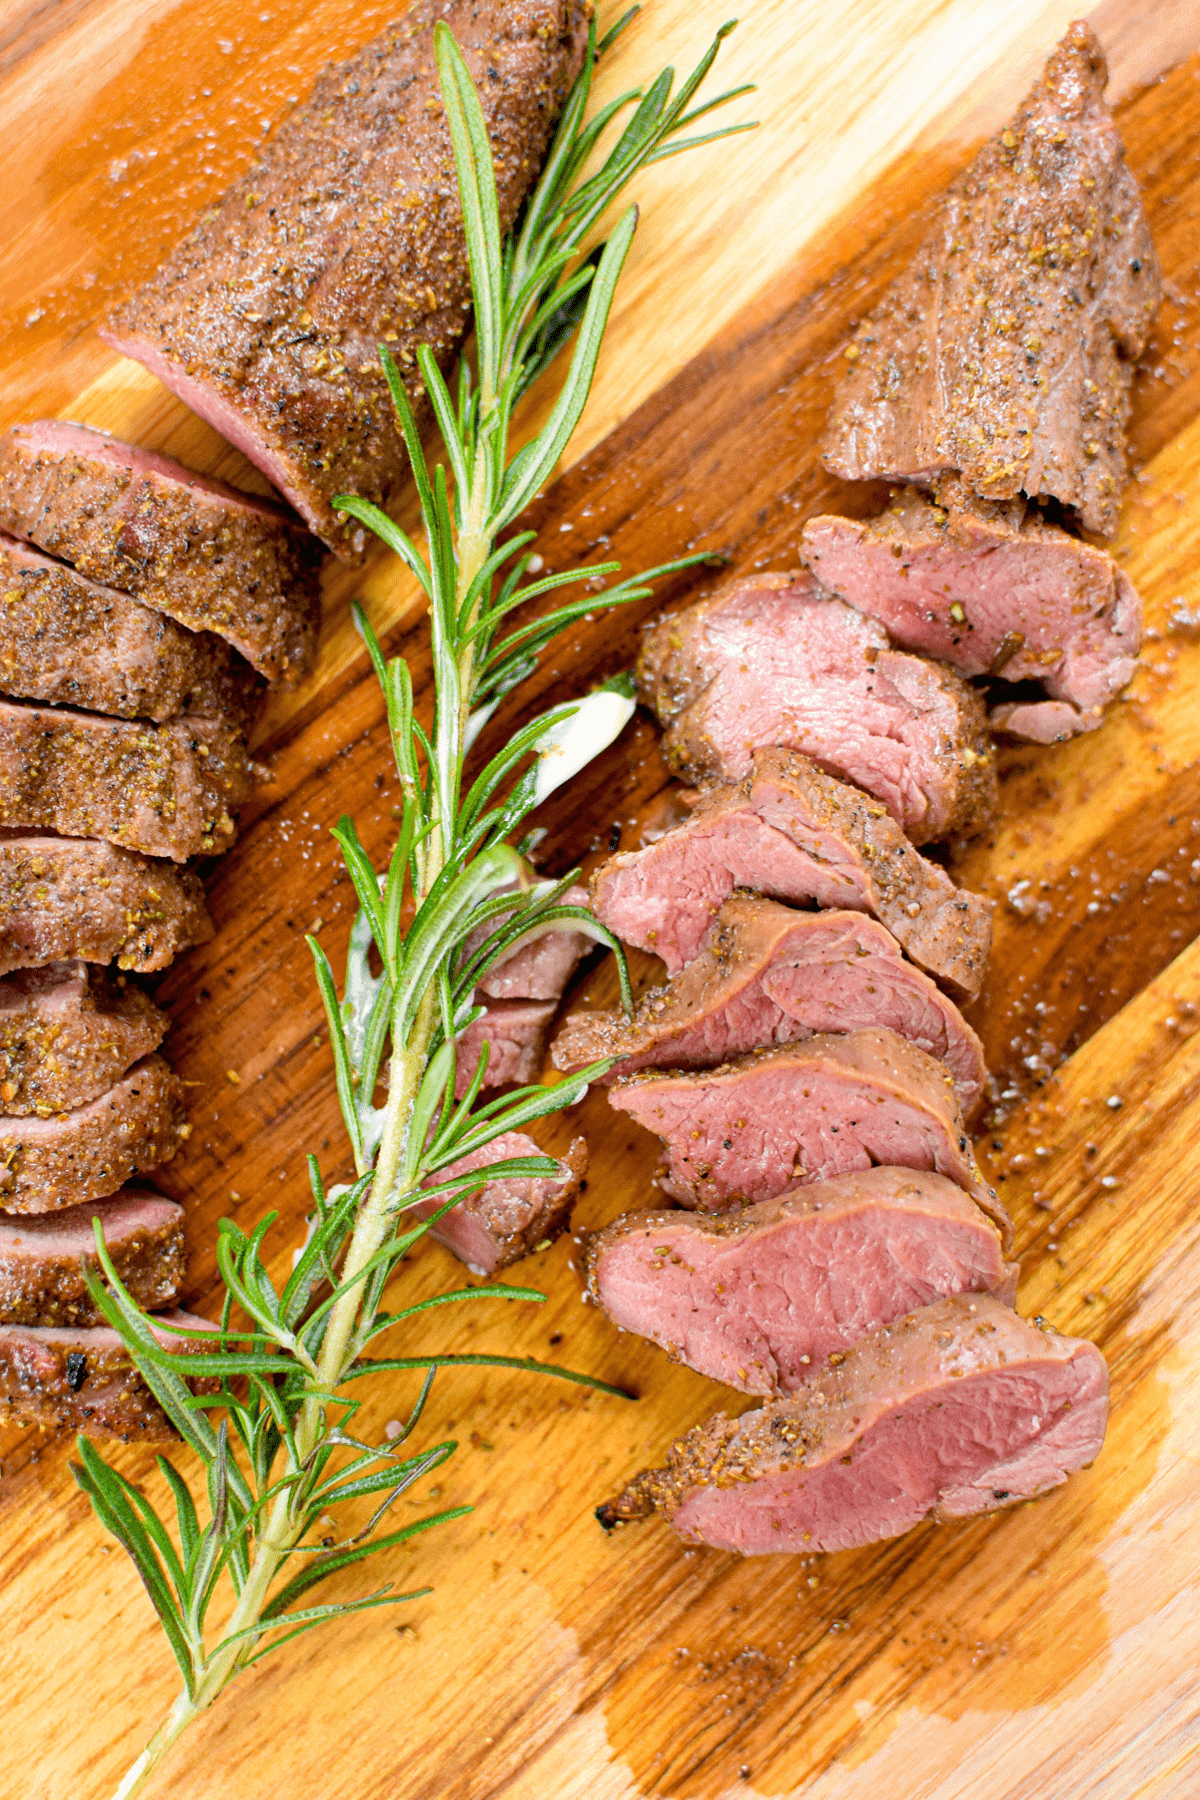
(608, 1516)
(637, 1501)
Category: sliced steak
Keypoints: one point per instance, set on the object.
(41, 1281)
(515, 1032)
(759, 1296)
(46, 1164)
(67, 1033)
(770, 975)
(511, 1216)
(538, 967)
(749, 1129)
(347, 232)
(67, 642)
(521, 993)
(62, 897)
(771, 660)
(992, 589)
(793, 833)
(166, 790)
(1040, 721)
(213, 558)
(958, 1409)
(84, 1379)
(1005, 350)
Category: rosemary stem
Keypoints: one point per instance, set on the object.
(527, 308)
(281, 1533)
(378, 1214)
(172, 1727)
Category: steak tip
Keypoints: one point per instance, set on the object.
(634, 1502)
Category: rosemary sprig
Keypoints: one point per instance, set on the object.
(284, 1454)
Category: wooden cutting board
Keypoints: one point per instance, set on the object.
(1042, 1654)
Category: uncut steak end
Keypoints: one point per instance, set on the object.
(1006, 349)
(346, 233)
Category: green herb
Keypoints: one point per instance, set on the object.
(284, 1456)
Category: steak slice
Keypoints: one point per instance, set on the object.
(213, 558)
(67, 642)
(515, 1032)
(770, 975)
(793, 833)
(85, 1379)
(347, 231)
(538, 967)
(67, 1032)
(41, 1282)
(1005, 350)
(62, 897)
(992, 589)
(771, 660)
(1040, 721)
(46, 1164)
(758, 1297)
(167, 790)
(958, 1409)
(509, 1217)
(521, 993)
(749, 1129)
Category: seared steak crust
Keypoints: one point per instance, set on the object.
(63, 897)
(993, 589)
(511, 1216)
(41, 1282)
(760, 1296)
(84, 1379)
(771, 660)
(95, 1149)
(749, 1129)
(67, 642)
(67, 1032)
(166, 790)
(770, 975)
(793, 833)
(213, 558)
(1006, 349)
(346, 232)
(958, 1409)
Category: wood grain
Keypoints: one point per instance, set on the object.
(1047, 1652)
